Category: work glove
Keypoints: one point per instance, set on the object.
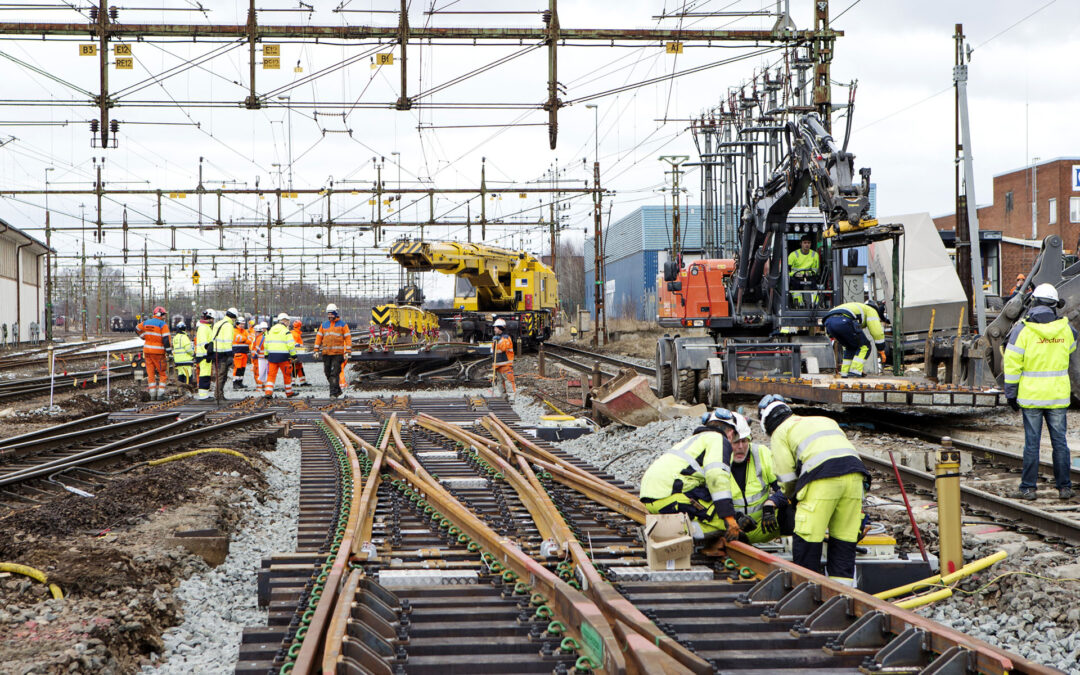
(317, 355)
(732, 532)
(768, 519)
(865, 527)
(779, 499)
(1014, 404)
(695, 530)
(746, 523)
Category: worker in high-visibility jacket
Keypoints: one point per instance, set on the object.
(333, 344)
(259, 364)
(221, 348)
(241, 350)
(819, 468)
(502, 348)
(280, 351)
(298, 368)
(845, 324)
(155, 335)
(693, 478)
(804, 264)
(183, 354)
(762, 511)
(203, 358)
(1037, 384)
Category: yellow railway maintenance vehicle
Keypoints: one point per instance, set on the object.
(490, 282)
(392, 324)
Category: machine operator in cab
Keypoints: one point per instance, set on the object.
(804, 264)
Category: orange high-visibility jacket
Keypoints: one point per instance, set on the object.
(155, 335)
(297, 337)
(240, 341)
(258, 347)
(504, 350)
(333, 338)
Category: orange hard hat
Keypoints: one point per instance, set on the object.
(1020, 277)
(296, 324)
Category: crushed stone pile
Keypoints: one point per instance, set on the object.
(643, 444)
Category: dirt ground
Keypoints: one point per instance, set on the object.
(106, 555)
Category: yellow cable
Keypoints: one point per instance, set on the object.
(192, 453)
(35, 574)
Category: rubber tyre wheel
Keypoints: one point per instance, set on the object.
(687, 386)
(663, 376)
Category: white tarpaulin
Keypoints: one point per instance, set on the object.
(930, 280)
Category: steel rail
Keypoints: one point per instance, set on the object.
(603, 358)
(59, 428)
(40, 444)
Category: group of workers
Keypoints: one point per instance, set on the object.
(224, 346)
(808, 483)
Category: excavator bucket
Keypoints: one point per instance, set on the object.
(628, 399)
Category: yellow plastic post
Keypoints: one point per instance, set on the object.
(950, 512)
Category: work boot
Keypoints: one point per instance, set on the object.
(1065, 493)
(1024, 493)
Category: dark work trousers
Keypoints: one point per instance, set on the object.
(841, 562)
(222, 363)
(332, 369)
(846, 331)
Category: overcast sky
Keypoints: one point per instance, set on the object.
(1023, 101)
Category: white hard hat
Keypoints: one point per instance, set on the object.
(1045, 292)
(233, 312)
(209, 312)
(731, 419)
(261, 326)
(499, 323)
(331, 307)
(282, 317)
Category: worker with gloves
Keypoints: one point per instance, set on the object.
(203, 358)
(333, 344)
(155, 335)
(221, 348)
(502, 349)
(845, 324)
(183, 354)
(280, 351)
(241, 349)
(693, 478)
(804, 264)
(298, 368)
(1037, 383)
(818, 467)
(763, 513)
(258, 355)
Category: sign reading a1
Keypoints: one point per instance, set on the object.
(195, 277)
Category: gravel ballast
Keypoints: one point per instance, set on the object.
(220, 602)
(644, 444)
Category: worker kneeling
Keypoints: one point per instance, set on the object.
(763, 513)
(818, 467)
(693, 478)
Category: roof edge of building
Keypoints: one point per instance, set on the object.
(1027, 167)
(5, 227)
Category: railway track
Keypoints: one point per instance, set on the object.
(39, 356)
(583, 359)
(436, 537)
(29, 387)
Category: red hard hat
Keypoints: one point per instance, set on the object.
(159, 310)
(296, 324)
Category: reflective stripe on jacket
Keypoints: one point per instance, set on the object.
(240, 341)
(759, 479)
(222, 336)
(258, 345)
(155, 335)
(864, 315)
(798, 262)
(694, 465)
(1037, 364)
(809, 448)
(503, 348)
(279, 344)
(333, 338)
(202, 337)
(183, 349)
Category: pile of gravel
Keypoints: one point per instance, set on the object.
(220, 602)
(644, 444)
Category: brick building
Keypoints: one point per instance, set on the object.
(1054, 186)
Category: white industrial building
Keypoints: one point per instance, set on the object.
(22, 285)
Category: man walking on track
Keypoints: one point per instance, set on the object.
(503, 349)
(333, 344)
(155, 335)
(280, 350)
(221, 340)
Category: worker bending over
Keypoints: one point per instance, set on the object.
(763, 513)
(333, 344)
(693, 478)
(183, 354)
(241, 350)
(1037, 383)
(203, 357)
(502, 347)
(804, 264)
(155, 335)
(221, 346)
(280, 351)
(818, 467)
(298, 368)
(845, 323)
(258, 355)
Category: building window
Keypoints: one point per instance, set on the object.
(1053, 211)
(1074, 209)
(8, 267)
(1008, 201)
(29, 268)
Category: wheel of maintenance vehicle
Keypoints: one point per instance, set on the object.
(687, 387)
(663, 368)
